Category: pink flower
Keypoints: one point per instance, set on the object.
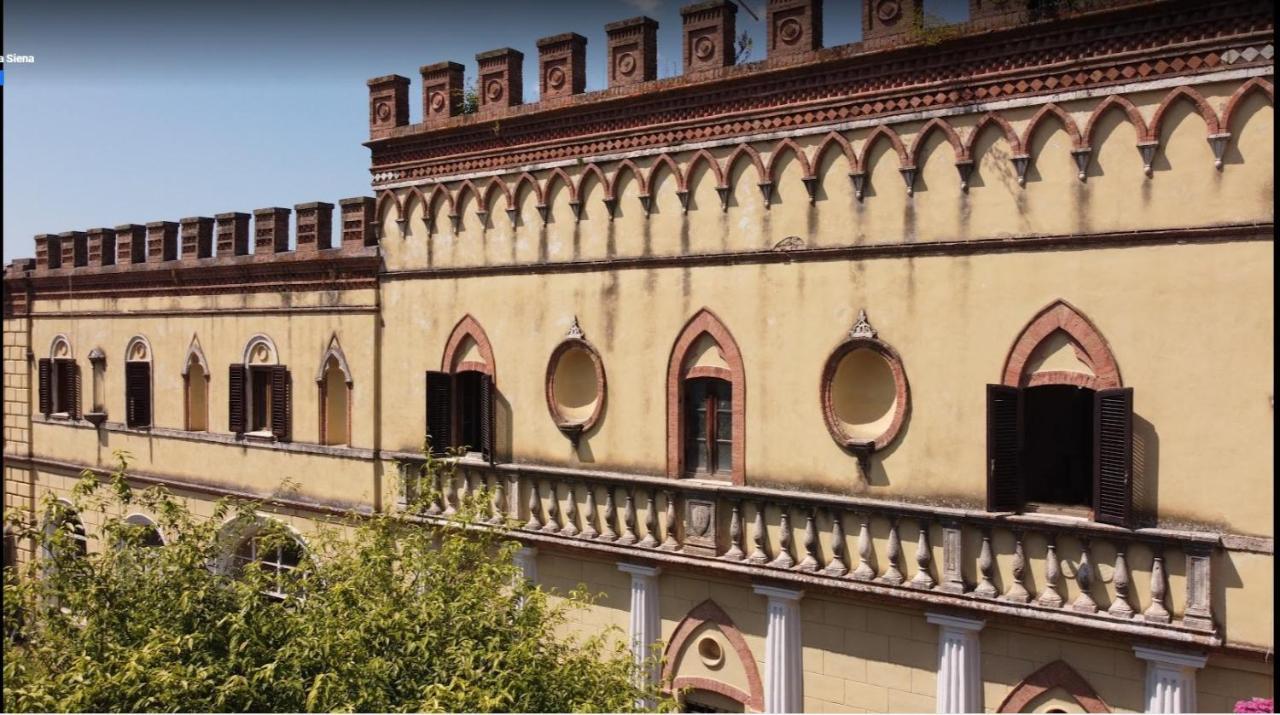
(1255, 705)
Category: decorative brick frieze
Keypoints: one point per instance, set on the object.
(75, 248)
(232, 233)
(442, 91)
(131, 243)
(794, 26)
(708, 35)
(102, 247)
(357, 222)
(314, 226)
(270, 230)
(501, 82)
(48, 252)
(388, 104)
(890, 19)
(633, 51)
(162, 241)
(562, 65)
(197, 237)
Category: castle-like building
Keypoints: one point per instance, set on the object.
(931, 372)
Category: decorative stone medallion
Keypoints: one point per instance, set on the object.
(626, 64)
(704, 48)
(555, 78)
(888, 11)
(437, 101)
(382, 111)
(790, 31)
(493, 90)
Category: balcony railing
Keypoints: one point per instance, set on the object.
(1152, 582)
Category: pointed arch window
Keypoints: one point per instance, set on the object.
(137, 383)
(706, 403)
(334, 382)
(259, 393)
(461, 395)
(195, 383)
(59, 377)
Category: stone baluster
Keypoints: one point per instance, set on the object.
(864, 572)
(1156, 612)
(610, 516)
(650, 539)
(535, 506)
(669, 542)
(467, 492)
(1120, 606)
(893, 552)
(571, 513)
(784, 560)
(497, 505)
(986, 566)
(923, 579)
(1049, 596)
(759, 555)
(449, 493)
(589, 520)
(1084, 603)
(1017, 592)
(553, 525)
(735, 552)
(810, 563)
(437, 493)
(836, 567)
(628, 520)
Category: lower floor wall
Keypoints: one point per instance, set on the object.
(730, 643)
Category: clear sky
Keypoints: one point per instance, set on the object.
(155, 110)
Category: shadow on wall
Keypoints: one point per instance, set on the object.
(503, 444)
(1146, 464)
(878, 476)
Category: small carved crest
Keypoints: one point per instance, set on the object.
(862, 327)
(700, 518)
(790, 243)
(575, 330)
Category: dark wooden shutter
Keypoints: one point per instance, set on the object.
(1004, 448)
(281, 411)
(236, 399)
(1113, 456)
(137, 388)
(46, 395)
(486, 417)
(439, 410)
(73, 392)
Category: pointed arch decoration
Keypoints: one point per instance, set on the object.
(1054, 675)
(60, 347)
(1091, 348)
(334, 350)
(705, 322)
(1000, 123)
(710, 612)
(1257, 84)
(938, 124)
(195, 351)
(468, 327)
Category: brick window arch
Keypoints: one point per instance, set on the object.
(1054, 675)
(684, 380)
(460, 396)
(710, 612)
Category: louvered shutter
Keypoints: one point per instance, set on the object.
(236, 399)
(1004, 448)
(46, 395)
(486, 417)
(73, 393)
(1113, 456)
(281, 411)
(439, 411)
(137, 387)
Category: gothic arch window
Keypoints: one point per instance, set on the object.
(1056, 678)
(59, 376)
(334, 382)
(259, 393)
(137, 383)
(461, 394)
(1059, 424)
(706, 402)
(709, 636)
(195, 384)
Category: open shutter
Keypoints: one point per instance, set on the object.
(486, 417)
(235, 399)
(73, 393)
(137, 388)
(439, 411)
(280, 409)
(1004, 448)
(1113, 456)
(46, 395)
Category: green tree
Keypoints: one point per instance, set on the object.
(383, 613)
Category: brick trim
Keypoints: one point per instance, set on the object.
(1256, 84)
(1090, 346)
(550, 381)
(710, 612)
(704, 321)
(902, 391)
(1055, 674)
(468, 327)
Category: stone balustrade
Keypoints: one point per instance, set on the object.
(1153, 582)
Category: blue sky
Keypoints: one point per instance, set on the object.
(149, 111)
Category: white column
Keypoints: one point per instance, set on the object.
(1171, 679)
(783, 651)
(527, 560)
(646, 625)
(959, 663)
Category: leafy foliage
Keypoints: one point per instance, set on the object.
(384, 613)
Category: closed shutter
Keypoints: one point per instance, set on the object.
(439, 411)
(486, 417)
(63, 384)
(1113, 456)
(1004, 448)
(281, 410)
(46, 396)
(137, 388)
(236, 399)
